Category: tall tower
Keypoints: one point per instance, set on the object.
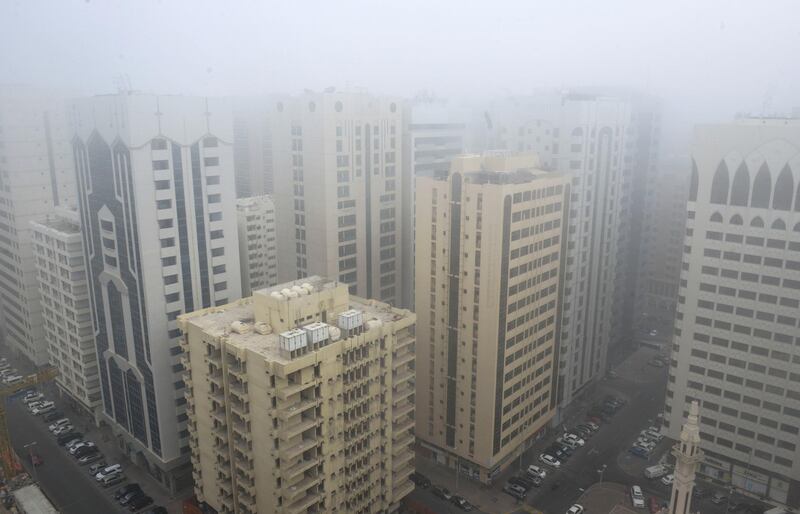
(687, 459)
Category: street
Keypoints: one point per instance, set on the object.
(68, 485)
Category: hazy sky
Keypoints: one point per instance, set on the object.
(706, 59)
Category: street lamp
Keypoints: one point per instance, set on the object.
(601, 470)
(30, 446)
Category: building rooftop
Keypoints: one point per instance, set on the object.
(237, 320)
(61, 224)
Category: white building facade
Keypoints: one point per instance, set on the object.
(156, 191)
(338, 192)
(61, 268)
(36, 174)
(736, 347)
(258, 251)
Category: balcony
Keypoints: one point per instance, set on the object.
(302, 505)
(404, 490)
(287, 432)
(401, 393)
(218, 396)
(238, 372)
(220, 431)
(223, 472)
(301, 467)
(290, 390)
(215, 378)
(296, 408)
(399, 462)
(294, 491)
(401, 376)
(402, 409)
(403, 359)
(403, 424)
(219, 415)
(297, 449)
(404, 343)
(401, 443)
(403, 471)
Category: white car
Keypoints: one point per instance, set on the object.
(549, 460)
(12, 379)
(58, 424)
(668, 479)
(74, 444)
(537, 472)
(575, 509)
(44, 408)
(575, 439)
(63, 429)
(637, 498)
(113, 469)
(32, 397)
(86, 444)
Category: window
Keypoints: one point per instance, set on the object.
(170, 279)
(211, 161)
(219, 269)
(162, 185)
(164, 204)
(168, 261)
(212, 180)
(167, 223)
(167, 242)
(210, 142)
(158, 144)
(215, 198)
(216, 234)
(221, 286)
(217, 252)
(161, 165)
(215, 216)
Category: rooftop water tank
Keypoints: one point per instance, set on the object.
(292, 340)
(239, 327)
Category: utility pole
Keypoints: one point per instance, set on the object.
(601, 471)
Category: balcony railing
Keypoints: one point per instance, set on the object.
(302, 505)
(298, 468)
(294, 491)
(297, 449)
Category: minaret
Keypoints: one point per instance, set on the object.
(687, 458)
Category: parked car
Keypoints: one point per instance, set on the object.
(90, 457)
(95, 468)
(656, 471)
(32, 396)
(52, 416)
(111, 480)
(637, 498)
(592, 425)
(125, 489)
(85, 451)
(68, 437)
(537, 471)
(668, 479)
(640, 452)
(83, 444)
(65, 429)
(139, 502)
(656, 363)
(515, 491)
(108, 471)
(12, 379)
(420, 480)
(549, 460)
(58, 424)
(522, 482)
(72, 444)
(574, 439)
(44, 408)
(441, 492)
(461, 503)
(718, 498)
(559, 450)
(575, 509)
(129, 496)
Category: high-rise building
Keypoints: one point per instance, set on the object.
(301, 399)
(661, 252)
(433, 135)
(338, 190)
(489, 251)
(737, 340)
(252, 146)
(61, 267)
(36, 175)
(258, 252)
(589, 135)
(156, 191)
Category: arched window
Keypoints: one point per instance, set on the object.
(784, 187)
(736, 220)
(740, 191)
(762, 188)
(720, 184)
(694, 181)
(716, 217)
(778, 224)
(757, 222)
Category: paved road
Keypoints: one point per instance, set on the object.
(67, 485)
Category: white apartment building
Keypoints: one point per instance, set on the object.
(36, 174)
(61, 268)
(252, 146)
(258, 251)
(585, 135)
(433, 135)
(736, 347)
(338, 191)
(156, 191)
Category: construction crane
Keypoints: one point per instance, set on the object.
(9, 462)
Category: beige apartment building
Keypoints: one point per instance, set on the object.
(489, 240)
(301, 399)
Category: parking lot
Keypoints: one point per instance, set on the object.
(66, 482)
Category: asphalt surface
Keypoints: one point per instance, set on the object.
(65, 483)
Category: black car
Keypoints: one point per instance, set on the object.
(420, 480)
(461, 503)
(52, 416)
(522, 482)
(84, 451)
(63, 439)
(130, 497)
(129, 488)
(441, 492)
(139, 502)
